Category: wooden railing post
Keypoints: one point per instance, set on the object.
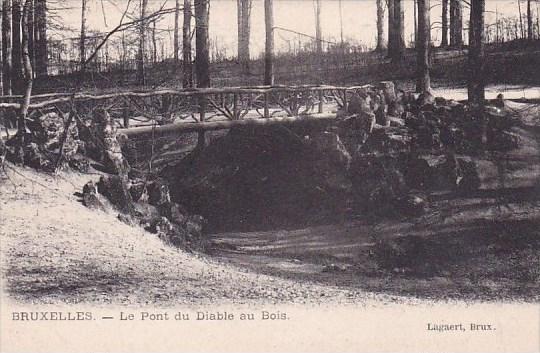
(266, 103)
(125, 115)
(320, 110)
(345, 100)
(201, 142)
(236, 115)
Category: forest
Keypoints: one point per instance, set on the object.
(389, 153)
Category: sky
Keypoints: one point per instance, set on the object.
(358, 20)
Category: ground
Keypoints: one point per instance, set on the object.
(55, 250)
(480, 246)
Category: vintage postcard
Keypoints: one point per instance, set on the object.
(270, 176)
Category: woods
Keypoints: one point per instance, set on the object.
(363, 145)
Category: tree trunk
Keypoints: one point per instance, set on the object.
(476, 84)
(154, 43)
(423, 84)
(391, 29)
(28, 78)
(40, 38)
(187, 80)
(456, 23)
(444, 21)
(529, 21)
(380, 25)
(176, 39)
(17, 80)
(141, 75)
(6, 46)
(318, 28)
(202, 58)
(269, 47)
(399, 31)
(415, 18)
(82, 44)
(244, 29)
(30, 31)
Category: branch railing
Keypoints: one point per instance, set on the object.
(191, 105)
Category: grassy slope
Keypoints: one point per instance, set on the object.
(55, 250)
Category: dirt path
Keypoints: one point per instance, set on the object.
(485, 244)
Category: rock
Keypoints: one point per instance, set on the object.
(377, 183)
(194, 225)
(329, 143)
(164, 229)
(42, 142)
(504, 141)
(381, 117)
(440, 101)
(91, 198)
(413, 204)
(356, 129)
(469, 179)
(388, 140)
(499, 101)
(425, 100)
(358, 105)
(418, 174)
(446, 171)
(47, 131)
(158, 192)
(106, 146)
(137, 189)
(389, 91)
(453, 137)
(115, 189)
(79, 163)
(262, 178)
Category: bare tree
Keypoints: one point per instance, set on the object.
(423, 83)
(522, 30)
(82, 43)
(529, 21)
(187, 80)
(269, 47)
(141, 75)
(176, 39)
(318, 28)
(380, 25)
(202, 56)
(244, 29)
(391, 29)
(444, 24)
(28, 78)
(40, 38)
(154, 43)
(17, 81)
(399, 31)
(476, 82)
(456, 23)
(6, 46)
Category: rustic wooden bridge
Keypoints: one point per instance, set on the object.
(174, 111)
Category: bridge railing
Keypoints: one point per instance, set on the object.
(132, 108)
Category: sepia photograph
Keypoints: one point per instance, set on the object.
(270, 175)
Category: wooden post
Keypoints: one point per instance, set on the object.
(201, 143)
(320, 110)
(235, 107)
(345, 100)
(266, 110)
(269, 48)
(125, 115)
